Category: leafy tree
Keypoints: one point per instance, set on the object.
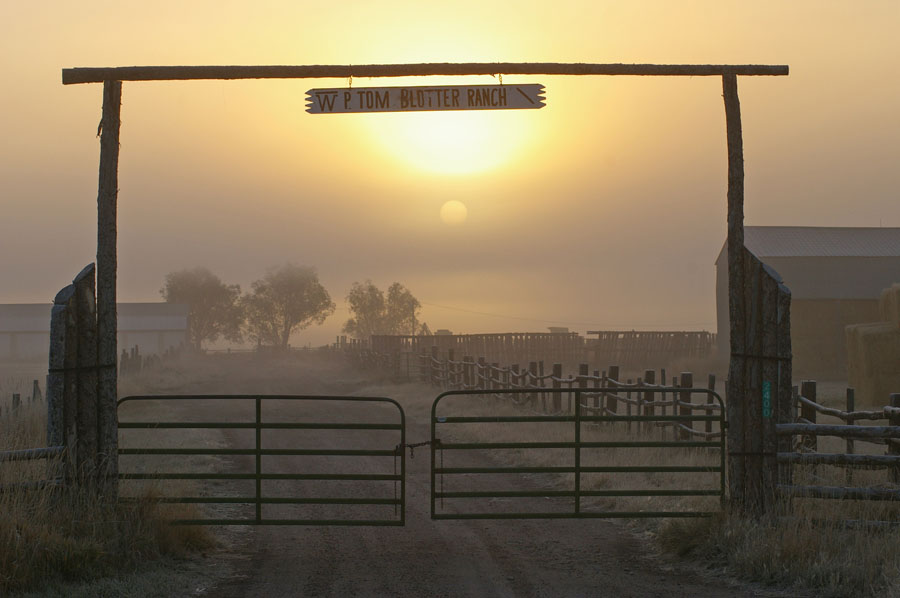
(373, 313)
(214, 305)
(286, 299)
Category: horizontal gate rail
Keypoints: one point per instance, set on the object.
(576, 468)
(258, 475)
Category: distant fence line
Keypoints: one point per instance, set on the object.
(631, 350)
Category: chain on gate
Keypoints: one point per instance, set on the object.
(412, 455)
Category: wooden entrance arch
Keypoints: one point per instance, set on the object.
(751, 432)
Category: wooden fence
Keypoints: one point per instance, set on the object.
(656, 394)
(804, 433)
(648, 395)
(634, 349)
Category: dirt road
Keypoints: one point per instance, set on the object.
(441, 558)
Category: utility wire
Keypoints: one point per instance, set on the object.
(506, 317)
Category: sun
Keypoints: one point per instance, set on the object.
(454, 212)
(460, 142)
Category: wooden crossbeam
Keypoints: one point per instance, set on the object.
(172, 73)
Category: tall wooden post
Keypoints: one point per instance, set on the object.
(107, 197)
(736, 388)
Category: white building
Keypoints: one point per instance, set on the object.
(152, 327)
(835, 275)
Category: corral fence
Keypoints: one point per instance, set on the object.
(806, 430)
(646, 395)
(634, 349)
(630, 349)
(543, 389)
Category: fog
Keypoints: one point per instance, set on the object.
(605, 209)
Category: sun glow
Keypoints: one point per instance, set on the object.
(454, 212)
(453, 142)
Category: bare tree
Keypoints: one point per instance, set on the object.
(286, 299)
(214, 307)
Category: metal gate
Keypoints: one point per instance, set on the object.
(608, 430)
(245, 413)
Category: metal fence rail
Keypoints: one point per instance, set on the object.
(258, 452)
(582, 415)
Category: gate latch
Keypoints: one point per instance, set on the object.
(436, 442)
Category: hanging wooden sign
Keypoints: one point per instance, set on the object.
(423, 99)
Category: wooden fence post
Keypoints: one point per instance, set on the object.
(481, 373)
(107, 324)
(851, 407)
(649, 378)
(583, 372)
(612, 403)
(599, 382)
(711, 385)
(557, 396)
(433, 366)
(532, 382)
(664, 410)
(628, 404)
(451, 368)
(541, 383)
(684, 408)
(808, 390)
(89, 454)
(893, 448)
(58, 376)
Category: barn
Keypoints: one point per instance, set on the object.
(835, 275)
(152, 327)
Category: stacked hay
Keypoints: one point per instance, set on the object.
(873, 352)
(889, 305)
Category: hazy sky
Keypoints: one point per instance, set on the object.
(605, 209)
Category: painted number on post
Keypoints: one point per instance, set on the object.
(767, 399)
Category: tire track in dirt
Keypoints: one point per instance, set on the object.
(455, 558)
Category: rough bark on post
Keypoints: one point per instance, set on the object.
(107, 199)
(784, 399)
(736, 391)
(87, 419)
(56, 381)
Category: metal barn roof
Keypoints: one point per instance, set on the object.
(815, 241)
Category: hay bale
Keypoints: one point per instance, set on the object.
(873, 361)
(889, 305)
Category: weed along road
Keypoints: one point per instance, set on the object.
(563, 557)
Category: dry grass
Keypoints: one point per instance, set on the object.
(56, 534)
